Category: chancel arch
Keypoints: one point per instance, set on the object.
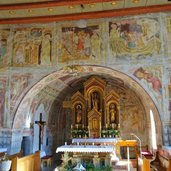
(124, 96)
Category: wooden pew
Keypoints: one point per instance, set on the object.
(27, 163)
(162, 161)
(11, 157)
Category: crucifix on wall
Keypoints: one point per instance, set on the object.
(41, 125)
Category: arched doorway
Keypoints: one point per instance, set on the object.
(56, 89)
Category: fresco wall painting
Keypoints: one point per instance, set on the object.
(32, 46)
(3, 84)
(4, 47)
(80, 44)
(19, 85)
(135, 38)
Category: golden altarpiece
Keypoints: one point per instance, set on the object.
(95, 110)
(95, 120)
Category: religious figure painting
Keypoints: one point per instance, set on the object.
(19, 82)
(32, 46)
(4, 47)
(132, 119)
(150, 78)
(80, 43)
(134, 37)
(168, 35)
(3, 83)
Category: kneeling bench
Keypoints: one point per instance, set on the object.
(46, 161)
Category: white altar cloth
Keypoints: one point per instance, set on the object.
(95, 140)
(85, 149)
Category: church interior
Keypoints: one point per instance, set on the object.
(85, 85)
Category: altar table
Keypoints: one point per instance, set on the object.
(85, 149)
(95, 140)
(91, 152)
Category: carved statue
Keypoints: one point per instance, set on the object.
(112, 112)
(95, 100)
(78, 112)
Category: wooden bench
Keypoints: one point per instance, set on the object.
(162, 161)
(27, 163)
(12, 156)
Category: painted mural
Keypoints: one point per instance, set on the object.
(132, 120)
(4, 47)
(168, 35)
(80, 43)
(134, 37)
(32, 46)
(151, 78)
(19, 85)
(3, 85)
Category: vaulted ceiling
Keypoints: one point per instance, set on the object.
(27, 11)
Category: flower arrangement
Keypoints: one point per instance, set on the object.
(79, 133)
(110, 132)
(104, 133)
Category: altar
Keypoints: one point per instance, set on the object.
(98, 151)
(87, 153)
(95, 125)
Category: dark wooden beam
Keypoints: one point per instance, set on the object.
(89, 15)
(50, 4)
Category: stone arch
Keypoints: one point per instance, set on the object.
(23, 113)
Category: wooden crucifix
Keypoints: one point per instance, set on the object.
(41, 125)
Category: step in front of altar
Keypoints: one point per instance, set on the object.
(122, 165)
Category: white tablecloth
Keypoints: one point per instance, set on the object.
(95, 140)
(85, 149)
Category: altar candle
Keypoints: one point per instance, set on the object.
(71, 126)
